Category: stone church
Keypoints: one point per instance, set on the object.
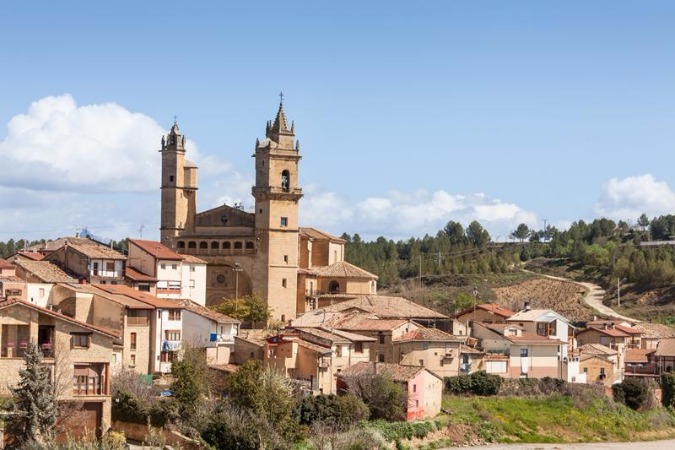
(265, 251)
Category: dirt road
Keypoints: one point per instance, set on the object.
(593, 298)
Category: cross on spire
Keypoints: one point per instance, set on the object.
(281, 98)
(175, 120)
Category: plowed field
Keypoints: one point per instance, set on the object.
(562, 296)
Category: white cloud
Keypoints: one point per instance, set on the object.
(628, 198)
(402, 215)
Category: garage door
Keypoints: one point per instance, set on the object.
(78, 419)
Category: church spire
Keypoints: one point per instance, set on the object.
(280, 125)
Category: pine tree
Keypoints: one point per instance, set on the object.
(34, 402)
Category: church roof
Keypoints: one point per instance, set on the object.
(318, 234)
(280, 122)
(343, 269)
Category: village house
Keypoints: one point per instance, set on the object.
(664, 355)
(77, 353)
(424, 388)
(652, 333)
(434, 349)
(40, 277)
(89, 260)
(607, 335)
(483, 313)
(640, 363)
(210, 330)
(600, 364)
(546, 323)
(11, 286)
(513, 352)
(170, 275)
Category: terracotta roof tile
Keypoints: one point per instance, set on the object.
(206, 312)
(126, 291)
(638, 355)
(489, 307)
(192, 259)
(317, 234)
(597, 349)
(6, 265)
(343, 269)
(613, 332)
(428, 334)
(369, 324)
(156, 249)
(666, 347)
(45, 271)
(58, 315)
(386, 307)
(136, 275)
(314, 347)
(33, 256)
(93, 250)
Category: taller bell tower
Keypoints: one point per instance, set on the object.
(179, 186)
(277, 194)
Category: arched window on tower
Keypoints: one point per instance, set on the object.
(192, 244)
(215, 245)
(285, 181)
(249, 245)
(203, 245)
(237, 245)
(181, 244)
(227, 245)
(334, 287)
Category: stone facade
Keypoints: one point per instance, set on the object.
(78, 354)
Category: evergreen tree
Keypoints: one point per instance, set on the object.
(34, 402)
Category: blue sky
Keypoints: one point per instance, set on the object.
(409, 114)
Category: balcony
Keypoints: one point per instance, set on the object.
(138, 321)
(465, 367)
(171, 346)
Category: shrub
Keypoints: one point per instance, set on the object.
(668, 389)
(331, 409)
(478, 383)
(632, 393)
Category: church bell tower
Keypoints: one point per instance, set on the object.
(277, 194)
(179, 186)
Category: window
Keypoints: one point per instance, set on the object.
(192, 283)
(284, 221)
(286, 259)
(260, 211)
(358, 347)
(283, 282)
(132, 361)
(523, 353)
(171, 178)
(132, 341)
(79, 340)
(249, 245)
(144, 287)
(381, 336)
(167, 357)
(174, 314)
(546, 329)
(181, 244)
(425, 346)
(110, 266)
(89, 379)
(237, 245)
(172, 335)
(334, 287)
(380, 358)
(192, 268)
(175, 285)
(414, 388)
(162, 266)
(42, 293)
(174, 266)
(203, 245)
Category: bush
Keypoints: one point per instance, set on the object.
(331, 409)
(668, 390)
(632, 393)
(478, 383)
(396, 431)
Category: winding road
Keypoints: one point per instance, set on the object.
(593, 298)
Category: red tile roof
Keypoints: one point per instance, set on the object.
(613, 332)
(206, 312)
(151, 300)
(49, 312)
(397, 372)
(192, 259)
(136, 275)
(638, 355)
(93, 250)
(665, 347)
(34, 256)
(317, 234)
(491, 308)
(6, 265)
(156, 249)
(343, 269)
(428, 334)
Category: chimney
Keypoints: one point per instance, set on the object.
(595, 317)
(527, 306)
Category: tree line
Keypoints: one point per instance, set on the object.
(612, 250)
